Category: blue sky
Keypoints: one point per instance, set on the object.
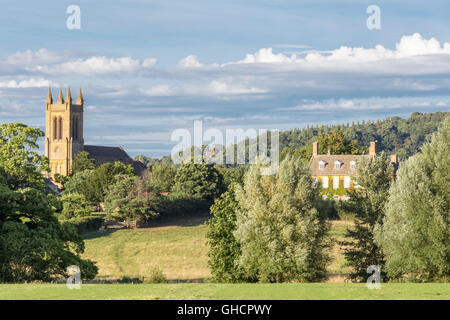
(150, 67)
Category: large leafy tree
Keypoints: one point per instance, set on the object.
(132, 198)
(18, 159)
(33, 244)
(282, 234)
(415, 236)
(367, 205)
(198, 180)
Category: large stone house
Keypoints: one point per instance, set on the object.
(64, 137)
(334, 172)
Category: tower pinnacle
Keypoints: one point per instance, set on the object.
(60, 97)
(49, 99)
(68, 96)
(80, 100)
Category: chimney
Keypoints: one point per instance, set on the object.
(315, 148)
(373, 148)
(329, 152)
(394, 158)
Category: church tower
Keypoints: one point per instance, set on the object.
(63, 131)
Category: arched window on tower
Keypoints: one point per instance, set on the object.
(74, 137)
(76, 128)
(55, 128)
(60, 128)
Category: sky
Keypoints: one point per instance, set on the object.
(148, 68)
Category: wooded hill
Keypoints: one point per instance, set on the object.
(394, 135)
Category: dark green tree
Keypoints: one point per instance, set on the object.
(82, 162)
(163, 176)
(93, 184)
(198, 180)
(367, 205)
(224, 249)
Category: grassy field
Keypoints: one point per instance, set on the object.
(178, 249)
(193, 291)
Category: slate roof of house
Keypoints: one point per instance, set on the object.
(330, 169)
(106, 152)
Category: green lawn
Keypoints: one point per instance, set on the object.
(308, 291)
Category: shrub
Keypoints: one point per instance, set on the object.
(156, 276)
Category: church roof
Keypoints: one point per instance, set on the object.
(111, 154)
(138, 167)
(106, 152)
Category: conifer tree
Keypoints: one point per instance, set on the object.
(367, 205)
(224, 248)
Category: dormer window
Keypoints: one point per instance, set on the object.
(337, 164)
(322, 164)
(352, 165)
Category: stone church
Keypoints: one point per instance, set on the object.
(64, 139)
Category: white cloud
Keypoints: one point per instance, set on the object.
(28, 57)
(409, 46)
(159, 90)
(221, 87)
(29, 83)
(190, 62)
(96, 66)
(373, 103)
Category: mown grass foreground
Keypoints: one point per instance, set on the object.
(197, 291)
